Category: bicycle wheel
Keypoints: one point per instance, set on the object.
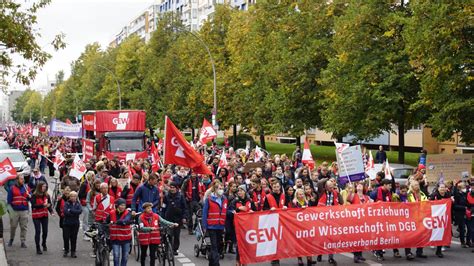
(169, 252)
(136, 245)
(105, 257)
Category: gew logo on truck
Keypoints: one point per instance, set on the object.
(267, 235)
(121, 121)
(438, 221)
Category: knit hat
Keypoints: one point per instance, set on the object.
(120, 201)
(243, 187)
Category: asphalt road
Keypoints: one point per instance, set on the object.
(20, 256)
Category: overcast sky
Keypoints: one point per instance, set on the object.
(83, 22)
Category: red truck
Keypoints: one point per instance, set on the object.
(115, 134)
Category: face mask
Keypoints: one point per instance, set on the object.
(220, 192)
(206, 181)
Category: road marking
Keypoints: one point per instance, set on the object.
(455, 242)
(189, 264)
(180, 255)
(184, 260)
(367, 261)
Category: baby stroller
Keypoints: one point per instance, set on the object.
(204, 245)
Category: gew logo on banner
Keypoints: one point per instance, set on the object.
(121, 121)
(267, 235)
(438, 222)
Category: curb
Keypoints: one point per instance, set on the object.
(3, 255)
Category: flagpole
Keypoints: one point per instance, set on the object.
(164, 140)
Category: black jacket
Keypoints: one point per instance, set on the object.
(460, 202)
(175, 210)
(72, 211)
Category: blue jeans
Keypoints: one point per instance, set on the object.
(116, 251)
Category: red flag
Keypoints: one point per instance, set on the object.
(155, 158)
(223, 160)
(307, 158)
(207, 132)
(160, 145)
(178, 151)
(78, 168)
(58, 159)
(7, 171)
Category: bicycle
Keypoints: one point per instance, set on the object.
(99, 233)
(165, 250)
(135, 241)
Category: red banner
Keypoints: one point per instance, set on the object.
(7, 171)
(272, 235)
(121, 156)
(87, 149)
(120, 121)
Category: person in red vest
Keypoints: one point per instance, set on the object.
(149, 232)
(301, 201)
(120, 231)
(242, 203)
(17, 198)
(257, 194)
(470, 211)
(60, 205)
(214, 214)
(273, 201)
(194, 190)
(129, 190)
(328, 196)
(115, 190)
(84, 189)
(384, 194)
(103, 203)
(40, 206)
(360, 197)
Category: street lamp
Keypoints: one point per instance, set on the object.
(214, 110)
(118, 84)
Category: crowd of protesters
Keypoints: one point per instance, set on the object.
(114, 192)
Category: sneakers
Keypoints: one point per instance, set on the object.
(73, 254)
(10, 242)
(45, 248)
(443, 249)
(23, 245)
(439, 254)
(332, 261)
(396, 254)
(65, 254)
(380, 257)
(421, 256)
(92, 255)
(38, 250)
(410, 256)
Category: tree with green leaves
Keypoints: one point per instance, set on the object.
(369, 83)
(439, 38)
(28, 107)
(20, 54)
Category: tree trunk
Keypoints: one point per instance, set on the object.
(298, 142)
(234, 136)
(401, 136)
(262, 140)
(339, 139)
(193, 134)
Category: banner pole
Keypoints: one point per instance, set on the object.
(164, 140)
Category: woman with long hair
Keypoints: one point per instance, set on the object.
(40, 210)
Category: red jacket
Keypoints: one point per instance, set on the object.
(119, 232)
(258, 201)
(152, 237)
(323, 199)
(19, 199)
(272, 201)
(116, 194)
(357, 200)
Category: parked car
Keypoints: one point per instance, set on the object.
(18, 160)
(4, 145)
(400, 172)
